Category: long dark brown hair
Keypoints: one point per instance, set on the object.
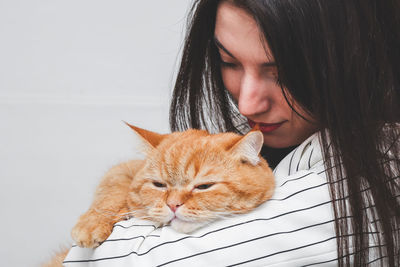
(340, 60)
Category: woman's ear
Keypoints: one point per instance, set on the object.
(249, 147)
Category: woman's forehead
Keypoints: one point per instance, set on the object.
(237, 32)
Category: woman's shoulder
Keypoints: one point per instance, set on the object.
(295, 227)
(307, 157)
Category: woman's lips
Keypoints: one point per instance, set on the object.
(265, 127)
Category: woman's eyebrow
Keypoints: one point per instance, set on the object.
(269, 64)
(219, 45)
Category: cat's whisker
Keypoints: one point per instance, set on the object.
(123, 215)
(129, 213)
(106, 213)
(224, 216)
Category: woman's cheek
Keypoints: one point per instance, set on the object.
(231, 79)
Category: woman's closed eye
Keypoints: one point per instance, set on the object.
(227, 64)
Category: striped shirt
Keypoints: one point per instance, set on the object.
(294, 228)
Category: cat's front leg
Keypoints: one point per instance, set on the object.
(92, 229)
(108, 207)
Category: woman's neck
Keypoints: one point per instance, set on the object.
(274, 155)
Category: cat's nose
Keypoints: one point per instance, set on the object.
(174, 206)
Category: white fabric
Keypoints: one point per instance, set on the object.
(294, 228)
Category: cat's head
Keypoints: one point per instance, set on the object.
(191, 178)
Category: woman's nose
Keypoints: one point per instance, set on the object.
(253, 96)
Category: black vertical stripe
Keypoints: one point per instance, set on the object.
(309, 159)
(291, 159)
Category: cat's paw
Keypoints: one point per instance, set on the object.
(91, 230)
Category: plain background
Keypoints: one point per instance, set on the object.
(70, 72)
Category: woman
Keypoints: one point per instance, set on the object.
(317, 75)
(334, 64)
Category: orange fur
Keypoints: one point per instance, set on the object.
(202, 176)
(57, 259)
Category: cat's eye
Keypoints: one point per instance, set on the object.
(160, 185)
(204, 186)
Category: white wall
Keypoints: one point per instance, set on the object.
(70, 72)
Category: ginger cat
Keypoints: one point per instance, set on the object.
(188, 179)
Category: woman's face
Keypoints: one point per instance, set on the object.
(250, 75)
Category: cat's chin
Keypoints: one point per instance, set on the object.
(185, 226)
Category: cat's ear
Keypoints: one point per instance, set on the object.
(150, 139)
(249, 146)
